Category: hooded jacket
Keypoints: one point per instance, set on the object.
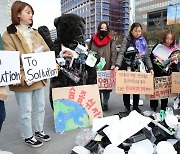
(13, 40)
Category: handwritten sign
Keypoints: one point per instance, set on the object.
(9, 67)
(162, 88)
(134, 83)
(175, 82)
(39, 66)
(106, 79)
(76, 107)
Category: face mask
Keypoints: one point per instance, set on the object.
(103, 33)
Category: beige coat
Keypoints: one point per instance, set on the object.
(14, 41)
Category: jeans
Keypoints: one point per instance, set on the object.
(31, 111)
(2, 113)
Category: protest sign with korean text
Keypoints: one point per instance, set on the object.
(39, 66)
(134, 83)
(9, 67)
(106, 79)
(175, 82)
(76, 106)
(162, 88)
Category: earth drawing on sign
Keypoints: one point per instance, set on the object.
(69, 115)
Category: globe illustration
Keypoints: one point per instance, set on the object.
(69, 115)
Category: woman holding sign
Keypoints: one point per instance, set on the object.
(30, 96)
(103, 44)
(133, 50)
(164, 67)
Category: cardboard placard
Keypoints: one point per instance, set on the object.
(162, 88)
(3, 93)
(134, 83)
(76, 106)
(39, 66)
(9, 67)
(175, 82)
(106, 79)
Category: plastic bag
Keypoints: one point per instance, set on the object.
(101, 64)
(84, 136)
(177, 103)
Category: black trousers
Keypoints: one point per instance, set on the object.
(154, 103)
(126, 100)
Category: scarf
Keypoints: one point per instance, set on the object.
(141, 45)
(102, 42)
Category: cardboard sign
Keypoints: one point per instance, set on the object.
(9, 68)
(134, 83)
(175, 82)
(162, 88)
(106, 79)
(39, 66)
(76, 107)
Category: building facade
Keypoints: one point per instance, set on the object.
(5, 14)
(114, 12)
(152, 13)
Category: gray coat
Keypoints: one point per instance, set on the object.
(127, 42)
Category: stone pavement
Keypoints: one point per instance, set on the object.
(10, 139)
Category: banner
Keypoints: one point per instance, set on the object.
(134, 83)
(39, 66)
(175, 82)
(162, 88)
(106, 79)
(9, 67)
(76, 107)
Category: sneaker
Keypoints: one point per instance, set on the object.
(41, 135)
(33, 142)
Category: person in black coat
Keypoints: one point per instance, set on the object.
(169, 41)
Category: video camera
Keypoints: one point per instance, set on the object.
(132, 59)
(72, 62)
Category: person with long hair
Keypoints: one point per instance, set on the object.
(136, 43)
(20, 36)
(169, 41)
(104, 45)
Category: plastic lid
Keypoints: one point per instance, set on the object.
(165, 147)
(113, 149)
(142, 147)
(171, 121)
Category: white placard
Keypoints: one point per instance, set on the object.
(39, 66)
(9, 67)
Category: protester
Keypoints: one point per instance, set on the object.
(169, 40)
(136, 45)
(2, 106)
(29, 95)
(103, 44)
